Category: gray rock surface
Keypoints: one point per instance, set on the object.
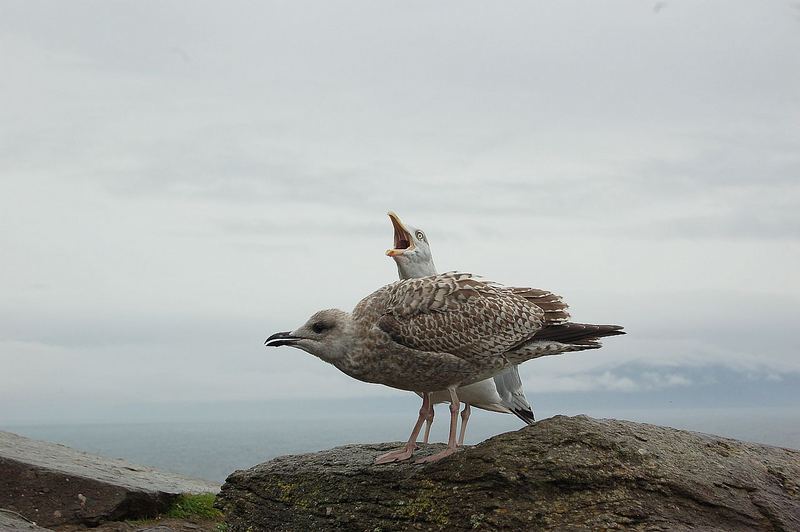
(9, 522)
(52, 484)
(562, 473)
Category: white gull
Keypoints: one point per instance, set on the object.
(502, 393)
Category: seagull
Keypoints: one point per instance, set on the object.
(435, 333)
(502, 393)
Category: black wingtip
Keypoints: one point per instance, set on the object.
(525, 415)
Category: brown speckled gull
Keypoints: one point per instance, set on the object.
(434, 333)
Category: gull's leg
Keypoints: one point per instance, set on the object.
(406, 452)
(464, 418)
(451, 440)
(428, 423)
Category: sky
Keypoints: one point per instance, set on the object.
(178, 180)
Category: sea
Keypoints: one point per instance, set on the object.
(211, 449)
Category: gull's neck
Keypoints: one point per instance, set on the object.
(415, 270)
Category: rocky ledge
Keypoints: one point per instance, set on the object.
(563, 473)
(13, 522)
(51, 485)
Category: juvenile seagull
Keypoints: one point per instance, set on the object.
(435, 333)
(502, 393)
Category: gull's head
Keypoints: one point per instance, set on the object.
(324, 335)
(411, 251)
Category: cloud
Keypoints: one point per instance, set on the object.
(607, 381)
(720, 191)
(173, 191)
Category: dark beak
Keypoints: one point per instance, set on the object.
(281, 338)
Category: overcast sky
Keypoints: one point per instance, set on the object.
(178, 180)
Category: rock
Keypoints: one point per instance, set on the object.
(160, 524)
(52, 484)
(11, 522)
(562, 473)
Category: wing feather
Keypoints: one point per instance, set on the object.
(553, 305)
(457, 314)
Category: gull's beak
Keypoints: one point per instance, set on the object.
(402, 238)
(281, 338)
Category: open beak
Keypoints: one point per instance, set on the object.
(281, 338)
(402, 238)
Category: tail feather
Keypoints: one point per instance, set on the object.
(577, 333)
(544, 348)
(562, 338)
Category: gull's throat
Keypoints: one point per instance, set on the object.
(402, 238)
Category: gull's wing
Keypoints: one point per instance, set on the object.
(509, 388)
(553, 305)
(458, 314)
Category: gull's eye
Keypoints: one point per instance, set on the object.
(420, 236)
(318, 327)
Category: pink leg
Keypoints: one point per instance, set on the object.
(451, 440)
(406, 452)
(464, 418)
(428, 423)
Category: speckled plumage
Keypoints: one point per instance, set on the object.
(458, 314)
(430, 333)
(434, 333)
